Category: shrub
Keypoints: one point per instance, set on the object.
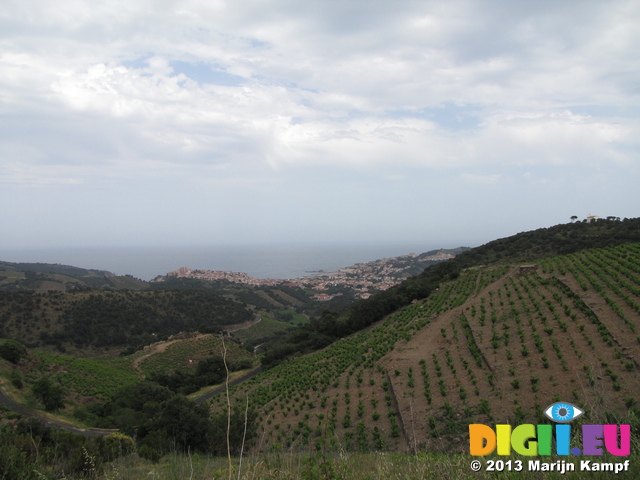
(16, 379)
(12, 351)
(49, 393)
(116, 445)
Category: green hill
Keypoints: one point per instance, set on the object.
(488, 344)
(522, 247)
(15, 277)
(93, 312)
(492, 336)
(94, 321)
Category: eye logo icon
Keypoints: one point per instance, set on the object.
(562, 412)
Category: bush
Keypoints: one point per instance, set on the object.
(115, 446)
(12, 351)
(159, 418)
(16, 379)
(149, 453)
(49, 393)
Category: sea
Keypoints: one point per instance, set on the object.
(260, 261)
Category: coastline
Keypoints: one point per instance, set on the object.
(259, 261)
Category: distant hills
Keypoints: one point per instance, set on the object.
(56, 269)
(46, 277)
(85, 310)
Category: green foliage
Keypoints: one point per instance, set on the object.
(49, 393)
(34, 276)
(12, 350)
(541, 314)
(162, 420)
(116, 445)
(525, 305)
(243, 429)
(183, 355)
(114, 319)
(209, 371)
(31, 450)
(16, 379)
(527, 246)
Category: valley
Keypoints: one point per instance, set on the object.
(494, 335)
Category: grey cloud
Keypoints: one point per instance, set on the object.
(228, 95)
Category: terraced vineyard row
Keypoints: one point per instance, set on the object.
(491, 346)
(305, 400)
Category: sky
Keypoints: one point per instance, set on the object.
(455, 122)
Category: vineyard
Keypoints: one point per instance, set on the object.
(183, 355)
(85, 377)
(496, 345)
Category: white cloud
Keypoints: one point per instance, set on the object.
(490, 179)
(254, 93)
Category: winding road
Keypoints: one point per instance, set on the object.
(98, 432)
(222, 388)
(101, 432)
(52, 422)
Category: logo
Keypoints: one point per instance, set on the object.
(533, 440)
(562, 412)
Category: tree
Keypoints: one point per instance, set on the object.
(51, 394)
(210, 370)
(159, 419)
(573, 218)
(12, 351)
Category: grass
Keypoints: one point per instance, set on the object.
(352, 466)
(298, 318)
(89, 377)
(265, 328)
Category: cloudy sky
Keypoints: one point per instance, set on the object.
(208, 122)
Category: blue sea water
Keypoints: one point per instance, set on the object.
(260, 261)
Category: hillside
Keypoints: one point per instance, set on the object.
(477, 338)
(41, 277)
(492, 345)
(92, 321)
(93, 312)
(522, 247)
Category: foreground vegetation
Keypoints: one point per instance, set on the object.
(353, 466)
(112, 459)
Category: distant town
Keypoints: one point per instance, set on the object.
(361, 279)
